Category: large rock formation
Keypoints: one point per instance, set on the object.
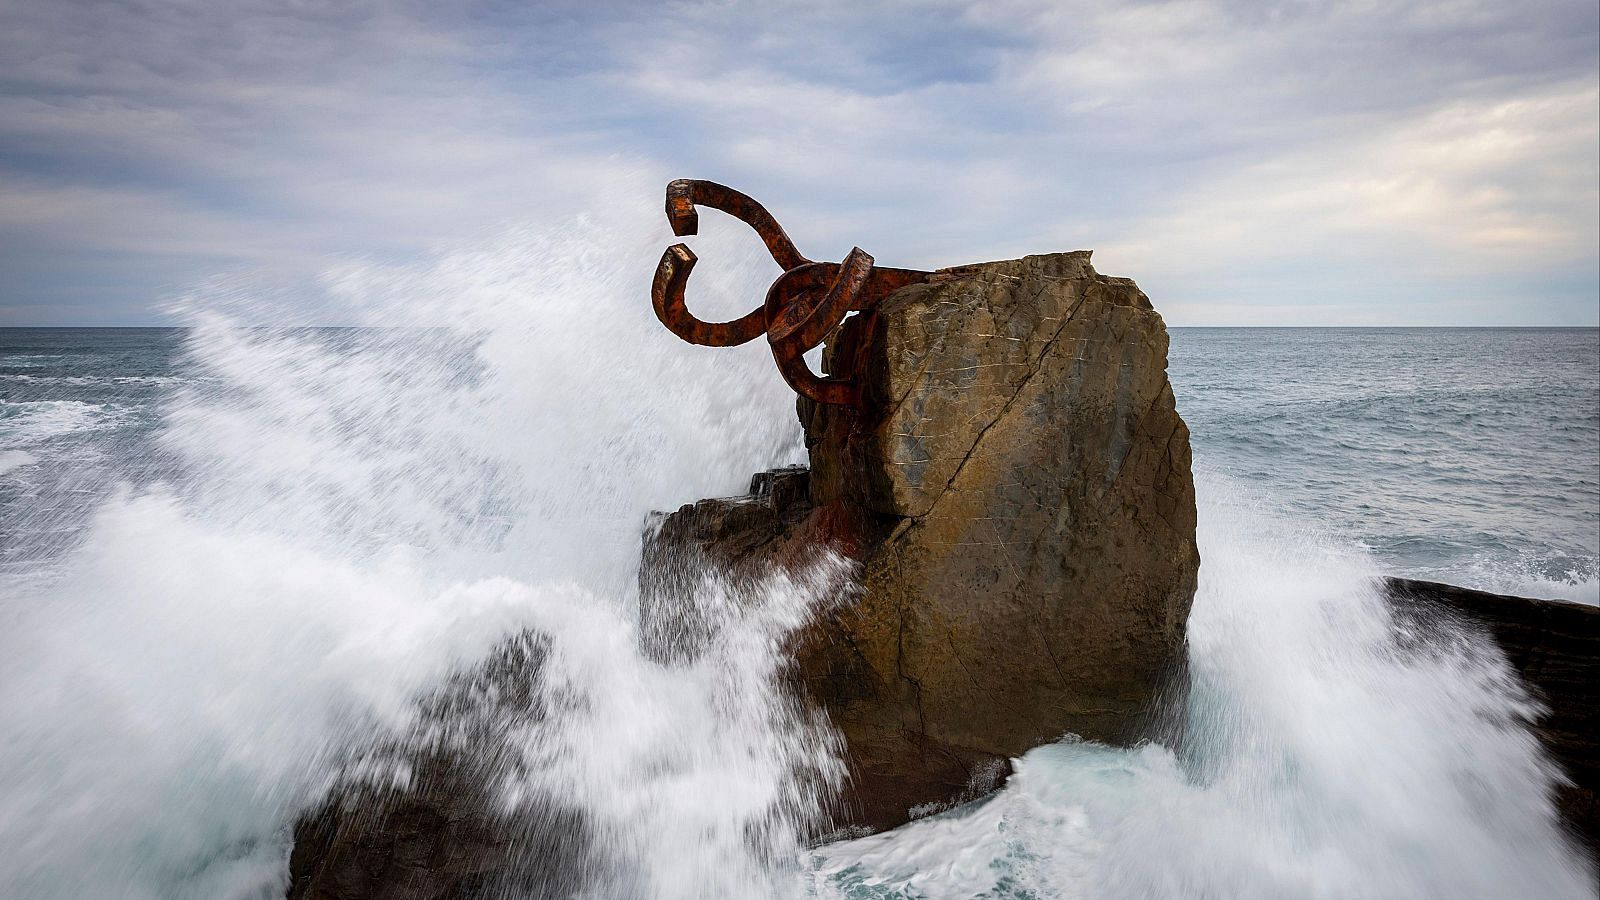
(1016, 494)
(1016, 488)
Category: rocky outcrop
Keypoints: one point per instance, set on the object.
(418, 817)
(1555, 647)
(1015, 493)
(1016, 489)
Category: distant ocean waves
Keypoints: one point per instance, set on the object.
(79, 413)
(1460, 455)
(39, 422)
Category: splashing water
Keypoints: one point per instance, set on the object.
(344, 519)
(348, 517)
(1331, 751)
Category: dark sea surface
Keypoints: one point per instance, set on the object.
(1462, 455)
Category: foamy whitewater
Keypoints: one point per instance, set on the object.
(205, 636)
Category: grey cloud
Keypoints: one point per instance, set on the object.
(1236, 157)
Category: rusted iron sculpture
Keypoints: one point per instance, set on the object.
(802, 307)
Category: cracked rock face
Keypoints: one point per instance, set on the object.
(1017, 490)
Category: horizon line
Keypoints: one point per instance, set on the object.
(1169, 327)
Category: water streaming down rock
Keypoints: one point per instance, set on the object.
(1553, 647)
(519, 779)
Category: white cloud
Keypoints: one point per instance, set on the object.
(1430, 208)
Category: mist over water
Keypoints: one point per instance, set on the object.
(209, 620)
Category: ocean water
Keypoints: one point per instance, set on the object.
(234, 558)
(78, 413)
(1467, 455)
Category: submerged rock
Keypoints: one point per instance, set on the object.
(1016, 488)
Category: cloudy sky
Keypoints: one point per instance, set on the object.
(1363, 163)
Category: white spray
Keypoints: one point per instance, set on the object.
(355, 515)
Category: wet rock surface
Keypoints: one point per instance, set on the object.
(439, 833)
(1555, 648)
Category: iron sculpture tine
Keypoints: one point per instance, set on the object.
(685, 194)
(811, 329)
(804, 305)
(840, 390)
(666, 295)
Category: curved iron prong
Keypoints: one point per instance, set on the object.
(795, 295)
(666, 296)
(792, 365)
(806, 327)
(686, 193)
(807, 302)
(797, 322)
